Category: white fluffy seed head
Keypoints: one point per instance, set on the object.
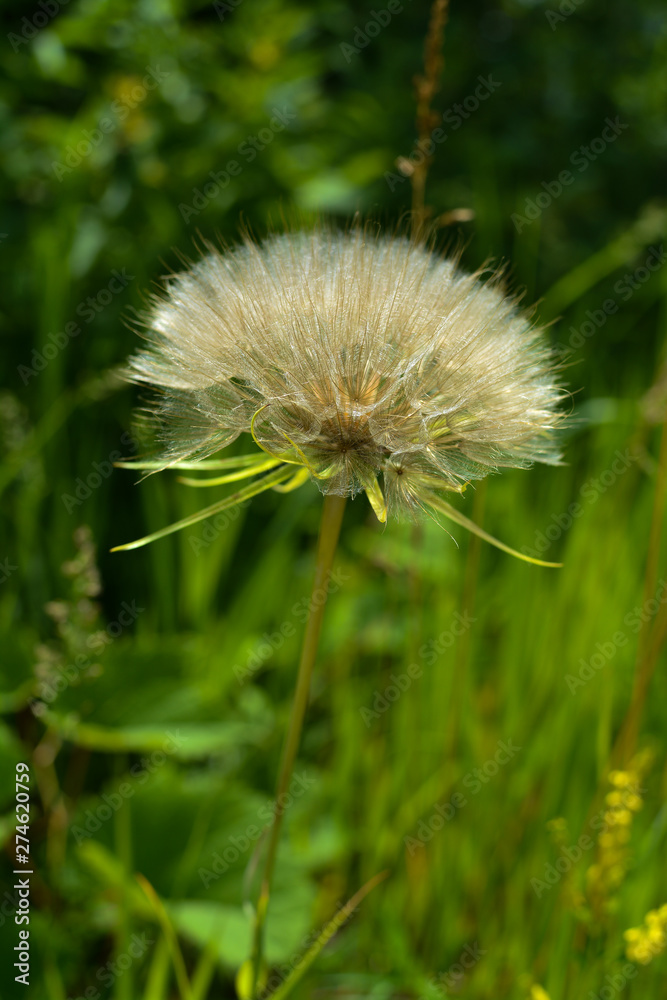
(353, 354)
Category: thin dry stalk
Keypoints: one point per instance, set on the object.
(426, 86)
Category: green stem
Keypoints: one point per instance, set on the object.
(332, 516)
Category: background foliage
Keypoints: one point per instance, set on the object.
(203, 603)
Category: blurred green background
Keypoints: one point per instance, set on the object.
(149, 691)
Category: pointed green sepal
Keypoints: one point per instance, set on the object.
(252, 490)
(454, 515)
(377, 500)
(298, 479)
(263, 465)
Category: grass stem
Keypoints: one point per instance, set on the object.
(332, 516)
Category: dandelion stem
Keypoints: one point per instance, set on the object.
(332, 516)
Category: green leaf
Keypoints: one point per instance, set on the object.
(184, 742)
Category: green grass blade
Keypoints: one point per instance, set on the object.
(328, 932)
(177, 960)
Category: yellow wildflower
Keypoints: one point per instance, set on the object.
(642, 944)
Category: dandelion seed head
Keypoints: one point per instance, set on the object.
(354, 355)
